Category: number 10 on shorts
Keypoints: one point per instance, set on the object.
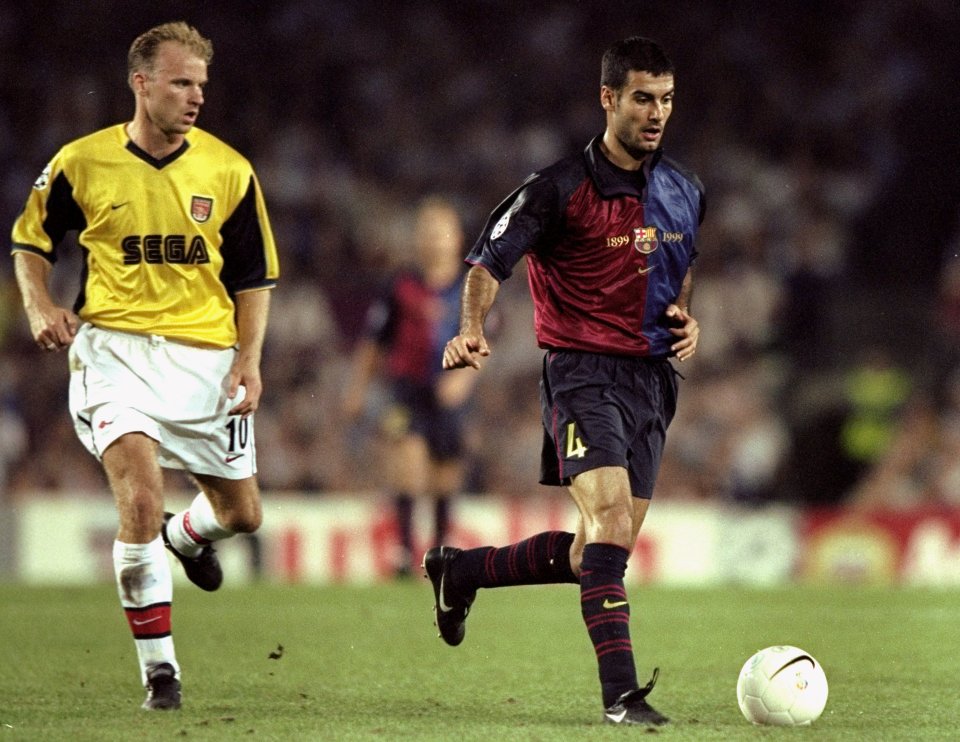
(239, 432)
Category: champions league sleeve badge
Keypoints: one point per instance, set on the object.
(41, 182)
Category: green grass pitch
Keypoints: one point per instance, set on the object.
(361, 663)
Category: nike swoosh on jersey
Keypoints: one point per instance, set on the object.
(114, 207)
(608, 604)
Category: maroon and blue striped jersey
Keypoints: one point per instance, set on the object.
(607, 250)
(411, 323)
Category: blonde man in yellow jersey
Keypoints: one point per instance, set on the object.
(166, 335)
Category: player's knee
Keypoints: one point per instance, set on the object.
(243, 519)
(248, 523)
(612, 523)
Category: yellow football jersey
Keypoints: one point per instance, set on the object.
(167, 243)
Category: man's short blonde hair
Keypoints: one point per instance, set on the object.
(143, 50)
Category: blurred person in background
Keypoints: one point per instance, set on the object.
(876, 392)
(609, 237)
(166, 335)
(422, 423)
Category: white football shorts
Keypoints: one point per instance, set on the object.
(177, 394)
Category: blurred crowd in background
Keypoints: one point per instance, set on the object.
(827, 288)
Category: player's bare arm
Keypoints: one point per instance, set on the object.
(366, 359)
(453, 390)
(686, 327)
(52, 327)
(253, 308)
(479, 291)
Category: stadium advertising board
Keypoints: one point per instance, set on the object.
(350, 538)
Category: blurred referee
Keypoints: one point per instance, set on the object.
(423, 423)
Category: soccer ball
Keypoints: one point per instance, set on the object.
(784, 686)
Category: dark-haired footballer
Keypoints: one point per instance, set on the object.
(609, 238)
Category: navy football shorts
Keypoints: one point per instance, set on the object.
(415, 411)
(605, 410)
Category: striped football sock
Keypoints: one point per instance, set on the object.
(606, 612)
(539, 560)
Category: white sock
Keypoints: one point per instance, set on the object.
(189, 531)
(145, 587)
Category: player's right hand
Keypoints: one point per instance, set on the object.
(53, 328)
(465, 350)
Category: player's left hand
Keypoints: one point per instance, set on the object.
(687, 329)
(246, 374)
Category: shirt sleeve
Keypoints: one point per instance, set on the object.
(519, 225)
(49, 213)
(249, 252)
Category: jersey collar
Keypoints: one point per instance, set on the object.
(612, 181)
(151, 160)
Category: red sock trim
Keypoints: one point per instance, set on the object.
(200, 540)
(149, 622)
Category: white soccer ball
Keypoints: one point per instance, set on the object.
(783, 686)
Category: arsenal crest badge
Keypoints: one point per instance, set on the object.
(200, 208)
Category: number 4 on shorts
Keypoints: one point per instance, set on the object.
(575, 445)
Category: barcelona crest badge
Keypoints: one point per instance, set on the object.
(645, 239)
